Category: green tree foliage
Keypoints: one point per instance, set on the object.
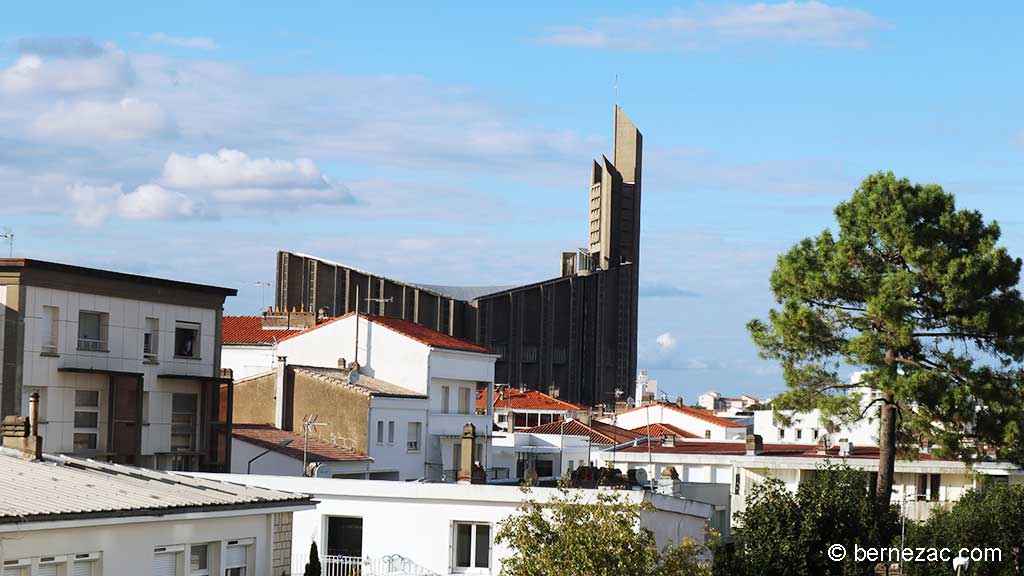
(990, 519)
(920, 296)
(570, 536)
(785, 533)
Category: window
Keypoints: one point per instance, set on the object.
(235, 556)
(85, 564)
(183, 422)
(472, 546)
(814, 433)
(380, 431)
(707, 434)
(165, 560)
(51, 328)
(92, 331)
(87, 415)
(736, 484)
(544, 468)
(50, 566)
(934, 486)
(344, 536)
(16, 567)
(464, 400)
(799, 434)
(186, 340)
(445, 399)
(391, 431)
(782, 433)
(150, 339)
(413, 442)
(198, 563)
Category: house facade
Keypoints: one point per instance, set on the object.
(516, 409)
(396, 391)
(127, 367)
(265, 449)
(701, 423)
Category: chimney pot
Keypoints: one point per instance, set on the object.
(679, 401)
(342, 363)
(755, 445)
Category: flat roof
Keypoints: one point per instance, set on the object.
(17, 265)
(69, 488)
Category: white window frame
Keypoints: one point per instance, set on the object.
(177, 550)
(473, 569)
(196, 341)
(247, 544)
(151, 329)
(380, 432)
(85, 558)
(23, 565)
(50, 343)
(465, 397)
(446, 399)
(102, 342)
(195, 422)
(391, 432)
(413, 444)
(188, 560)
(86, 409)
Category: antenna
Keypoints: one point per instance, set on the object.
(9, 235)
(307, 425)
(381, 301)
(616, 88)
(262, 284)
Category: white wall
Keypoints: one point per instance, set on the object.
(659, 414)
(126, 546)
(274, 463)
(861, 433)
(396, 456)
(247, 360)
(415, 520)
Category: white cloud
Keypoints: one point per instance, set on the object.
(696, 364)
(50, 70)
(127, 119)
(91, 205)
(151, 202)
(811, 23)
(233, 177)
(195, 42)
(666, 341)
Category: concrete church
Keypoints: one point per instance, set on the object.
(573, 336)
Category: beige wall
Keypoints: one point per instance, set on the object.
(254, 400)
(344, 411)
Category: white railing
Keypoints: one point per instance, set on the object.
(91, 345)
(394, 565)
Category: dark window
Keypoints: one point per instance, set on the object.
(183, 422)
(344, 536)
(936, 483)
(472, 545)
(186, 340)
(544, 467)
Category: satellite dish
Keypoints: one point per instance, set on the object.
(638, 476)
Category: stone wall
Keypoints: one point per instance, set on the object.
(281, 560)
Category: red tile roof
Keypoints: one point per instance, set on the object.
(695, 412)
(421, 334)
(737, 448)
(249, 330)
(266, 436)
(659, 430)
(599, 432)
(523, 399)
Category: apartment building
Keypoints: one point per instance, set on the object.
(516, 409)
(127, 367)
(701, 423)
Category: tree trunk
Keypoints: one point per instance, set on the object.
(886, 449)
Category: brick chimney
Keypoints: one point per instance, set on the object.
(755, 445)
(22, 433)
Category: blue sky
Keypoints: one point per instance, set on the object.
(451, 143)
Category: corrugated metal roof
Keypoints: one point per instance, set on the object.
(63, 487)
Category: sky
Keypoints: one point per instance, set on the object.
(450, 143)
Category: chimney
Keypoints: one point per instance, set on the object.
(342, 363)
(845, 448)
(823, 445)
(679, 402)
(280, 391)
(22, 433)
(554, 391)
(467, 457)
(755, 445)
(668, 440)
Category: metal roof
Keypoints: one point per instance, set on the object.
(66, 488)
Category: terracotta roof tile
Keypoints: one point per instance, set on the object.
(523, 399)
(739, 448)
(249, 330)
(421, 334)
(599, 432)
(659, 430)
(266, 436)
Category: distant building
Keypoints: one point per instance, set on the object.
(715, 402)
(646, 390)
(250, 343)
(127, 367)
(517, 409)
(695, 421)
(573, 336)
(385, 387)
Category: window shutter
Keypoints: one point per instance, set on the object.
(47, 570)
(165, 564)
(234, 556)
(82, 569)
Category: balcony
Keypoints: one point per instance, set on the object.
(90, 345)
(393, 565)
(442, 424)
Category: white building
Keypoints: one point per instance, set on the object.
(249, 346)
(443, 528)
(127, 367)
(522, 408)
(396, 391)
(804, 427)
(920, 485)
(715, 402)
(66, 516)
(699, 422)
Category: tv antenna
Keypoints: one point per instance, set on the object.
(8, 235)
(307, 426)
(262, 284)
(381, 301)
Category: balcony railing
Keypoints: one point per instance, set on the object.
(497, 474)
(91, 345)
(393, 565)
